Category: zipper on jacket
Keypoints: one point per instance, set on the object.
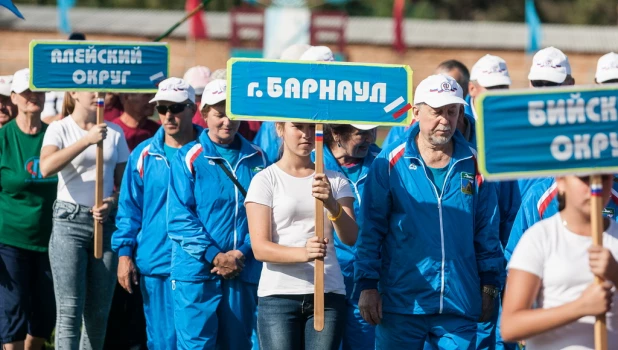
(439, 198)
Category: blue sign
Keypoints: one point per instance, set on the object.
(97, 66)
(548, 132)
(319, 92)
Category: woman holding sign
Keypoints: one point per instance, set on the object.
(83, 285)
(554, 265)
(281, 215)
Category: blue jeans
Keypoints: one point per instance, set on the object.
(285, 322)
(83, 285)
(409, 332)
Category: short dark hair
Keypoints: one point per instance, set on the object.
(343, 130)
(465, 73)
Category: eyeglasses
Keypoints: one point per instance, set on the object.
(174, 109)
(543, 83)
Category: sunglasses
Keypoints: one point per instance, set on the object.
(174, 109)
(543, 83)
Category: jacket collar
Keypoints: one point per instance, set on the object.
(158, 140)
(210, 149)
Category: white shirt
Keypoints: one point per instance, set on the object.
(53, 104)
(76, 181)
(560, 258)
(293, 223)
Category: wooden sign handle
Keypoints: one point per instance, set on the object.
(98, 194)
(318, 292)
(596, 212)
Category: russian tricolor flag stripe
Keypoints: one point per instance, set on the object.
(400, 112)
(100, 102)
(595, 190)
(319, 136)
(394, 104)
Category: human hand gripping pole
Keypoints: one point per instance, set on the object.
(98, 194)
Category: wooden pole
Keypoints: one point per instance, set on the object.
(98, 194)
(318, 292)
(596, 210)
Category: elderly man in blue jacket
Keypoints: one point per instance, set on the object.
(428, 254)
(141, 237)
(214, 273)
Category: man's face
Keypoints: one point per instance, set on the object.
(437, 125)
(175, 117)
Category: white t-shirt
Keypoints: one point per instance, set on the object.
(76, 182)
(560, 258)
(293, 223)
(53, 104)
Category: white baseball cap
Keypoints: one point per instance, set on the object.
(439, 90)
(607, 68)
(294, 52)
(174, 90)
(5, 85)
(220, 73)
(197, 77)
(214, 93)
(318, 54)
(21, 81)
(490, 71)
(364, 126)
(550, 64)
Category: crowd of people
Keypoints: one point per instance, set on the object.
(209, 225)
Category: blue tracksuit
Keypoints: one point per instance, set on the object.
(207, 217)
(268, 140)
(541, 202)
(427, 254)
(358, 333)
(141, 234)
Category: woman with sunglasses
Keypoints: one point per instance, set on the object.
(83, 285)
(554, 266)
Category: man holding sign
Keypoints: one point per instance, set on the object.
(429, 232)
